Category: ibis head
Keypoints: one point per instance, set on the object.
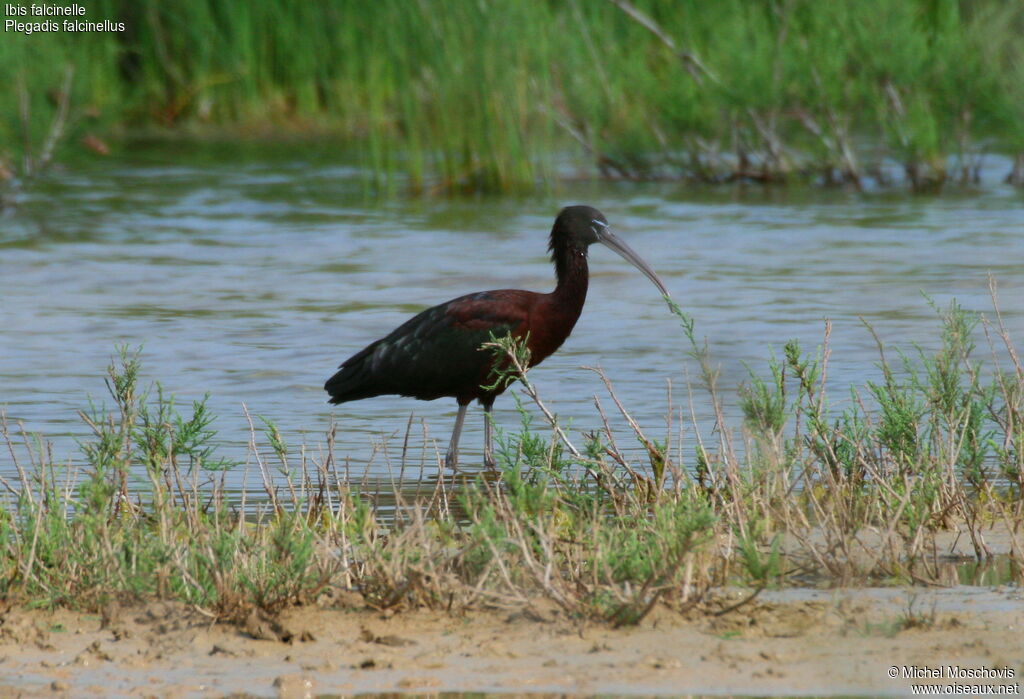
(579, 227)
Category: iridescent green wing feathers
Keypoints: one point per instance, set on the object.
(436, 353)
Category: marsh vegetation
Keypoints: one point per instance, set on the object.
(810, 489)
(501, 96)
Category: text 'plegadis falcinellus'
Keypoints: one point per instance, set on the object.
(437, 353)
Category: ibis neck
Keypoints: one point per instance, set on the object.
(573, 276)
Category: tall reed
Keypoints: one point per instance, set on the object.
(492, 96)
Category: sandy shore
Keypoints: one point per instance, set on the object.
(784, 642)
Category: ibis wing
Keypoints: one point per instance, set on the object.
(436, 353)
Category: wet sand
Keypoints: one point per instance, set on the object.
(787, 642)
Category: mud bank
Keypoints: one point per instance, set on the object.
(782, 643)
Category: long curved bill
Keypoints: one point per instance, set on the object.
(605, 236)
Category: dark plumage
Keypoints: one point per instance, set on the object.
(437, 353)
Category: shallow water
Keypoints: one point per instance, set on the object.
(251, 273)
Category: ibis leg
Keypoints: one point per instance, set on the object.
(451, 460)
(488, 437)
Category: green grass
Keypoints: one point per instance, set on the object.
(799, 492)
(466, 96)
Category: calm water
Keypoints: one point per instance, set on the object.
(250, 275)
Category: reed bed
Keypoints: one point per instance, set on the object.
(801, 493)
(442, 96)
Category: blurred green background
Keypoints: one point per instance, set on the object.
(502, 95)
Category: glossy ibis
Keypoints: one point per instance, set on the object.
(437, 353)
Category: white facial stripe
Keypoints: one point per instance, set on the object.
(599, 223)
